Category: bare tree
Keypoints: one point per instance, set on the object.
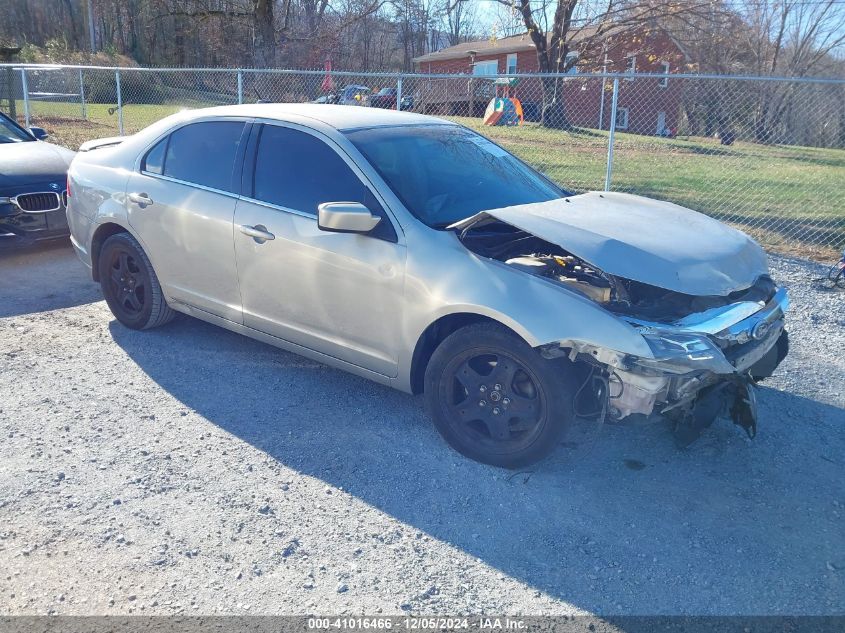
(461, 21)
(795, 38)
(507, 21)
(415, 19)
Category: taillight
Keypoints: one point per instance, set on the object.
(67, 186)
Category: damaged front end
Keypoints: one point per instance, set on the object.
(698, 372)
(707, 350)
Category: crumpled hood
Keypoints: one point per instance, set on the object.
(653, 242)
(31, 162)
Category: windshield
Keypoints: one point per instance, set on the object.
(445, 173)
(11, 133)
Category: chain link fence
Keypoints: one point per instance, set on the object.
(763, 154)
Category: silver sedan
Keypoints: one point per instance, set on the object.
(419, 254)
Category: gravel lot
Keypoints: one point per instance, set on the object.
(192, 470)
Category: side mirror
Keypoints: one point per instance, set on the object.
(39, 132)
(346, 217)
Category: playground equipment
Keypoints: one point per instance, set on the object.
(504, 109)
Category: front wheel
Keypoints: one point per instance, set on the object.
(495, 399)
(130, 285)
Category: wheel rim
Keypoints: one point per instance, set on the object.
(129, 283)
(493, 401)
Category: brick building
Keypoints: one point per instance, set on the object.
(646, 105)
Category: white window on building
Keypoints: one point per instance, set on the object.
(621, 118)
(664, 68)
(511, 67)
(487, 68)
(630, 66)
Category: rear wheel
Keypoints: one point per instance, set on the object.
(130, 285)
(495, 399)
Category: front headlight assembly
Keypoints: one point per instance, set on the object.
(682, 352)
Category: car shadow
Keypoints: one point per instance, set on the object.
(43, 277)
(625, 524)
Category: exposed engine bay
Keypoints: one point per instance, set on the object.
(533, 255)
(567, 270)
(696, 376)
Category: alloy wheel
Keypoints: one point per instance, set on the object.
(129, 283)
(494, 400)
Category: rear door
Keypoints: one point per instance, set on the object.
(182, 203)
(336, 293)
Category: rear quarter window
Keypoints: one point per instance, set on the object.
(154, 160)
(204, 153)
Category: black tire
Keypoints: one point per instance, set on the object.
(484, 368)
(130, 285)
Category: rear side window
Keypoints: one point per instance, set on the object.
(298, 171)
(204, 153)
(154, 160)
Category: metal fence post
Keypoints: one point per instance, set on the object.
(25, 89)
(609, 174)
(10, 86)
(82, 96)
(240, 86)
(601, 102)
(119, 102)
(399, 93)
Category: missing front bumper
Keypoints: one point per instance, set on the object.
(735, 399)
(693, 401)
(701, 369)
(704, 399)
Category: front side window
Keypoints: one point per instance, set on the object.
(298, 171)
(445, 173)
(204, 153)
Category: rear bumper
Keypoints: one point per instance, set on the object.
(84, 255)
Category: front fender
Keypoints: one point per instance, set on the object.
(538, 310)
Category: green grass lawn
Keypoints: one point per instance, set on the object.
(790, 198)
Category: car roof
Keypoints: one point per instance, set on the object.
(341, 117)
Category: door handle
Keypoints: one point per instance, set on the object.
(259, 232)
(141, 199)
